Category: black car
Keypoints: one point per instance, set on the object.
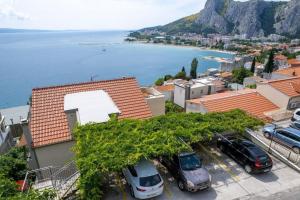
(246, 153)
(187, 169)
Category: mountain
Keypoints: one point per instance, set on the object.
(254, 18)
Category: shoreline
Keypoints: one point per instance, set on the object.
(185, 46)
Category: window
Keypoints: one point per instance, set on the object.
(298, 113)
(132, 171)
(290, 135)
(297, 125)
(190, 162)
(150, 181)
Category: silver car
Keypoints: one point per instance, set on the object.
(187, 168)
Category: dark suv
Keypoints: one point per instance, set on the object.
(246, 153)
(187, 169)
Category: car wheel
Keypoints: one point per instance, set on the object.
(132, 192)
(180, 185)
(267, 135)
(248, 169)
(296, 150)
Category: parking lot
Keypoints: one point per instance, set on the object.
(229, 181)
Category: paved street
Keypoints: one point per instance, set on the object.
(229, 182)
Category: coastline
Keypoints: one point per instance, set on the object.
(186, 46)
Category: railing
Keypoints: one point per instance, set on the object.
(63, 180)
(286, 155)
(39, 178)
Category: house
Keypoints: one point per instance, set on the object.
(294, 63)
(284, 93)
(6, 138)
(288, 72)
(155, 101)
(237, 62)
(253, 80)
(185, 90)
(13, 117)
(247, 100)
(167, 91)
(281, 61)
(55, 110)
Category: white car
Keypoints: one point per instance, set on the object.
(296, 115)
(144, 180)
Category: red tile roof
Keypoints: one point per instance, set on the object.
(251, 102)
(48, 122)
(294, 62)
(280, 57)
(287, 86)
(165, 88)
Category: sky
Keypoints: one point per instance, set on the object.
(93, 14)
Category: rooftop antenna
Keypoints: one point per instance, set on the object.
(93, 77)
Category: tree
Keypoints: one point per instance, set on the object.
(238, 75)
(253, 65)
(194, 67)
(269, 67)
(183, 69)
(168, 77)
(173, 108)
(159, 82)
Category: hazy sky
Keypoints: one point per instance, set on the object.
(93, 14)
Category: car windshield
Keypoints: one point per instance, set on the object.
(263, 159)
(190, 162)
(150, 181)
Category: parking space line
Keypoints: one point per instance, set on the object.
(168, 191)
(221, 164)
(122, 189)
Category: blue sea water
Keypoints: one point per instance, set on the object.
(38, 59)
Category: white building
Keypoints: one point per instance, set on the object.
(155, 101)
(196, 88)
(6, 139)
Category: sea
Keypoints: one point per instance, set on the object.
(32, 59)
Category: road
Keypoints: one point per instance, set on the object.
(290, 194)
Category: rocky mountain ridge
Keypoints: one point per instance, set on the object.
(254, 18)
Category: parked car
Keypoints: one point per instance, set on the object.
(296, 115)
(288, 137)
(188, 170)
(247, 154)
(295, 125)
(144, 180)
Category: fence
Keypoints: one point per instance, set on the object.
(286, 155)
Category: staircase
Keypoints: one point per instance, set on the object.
(62, 180)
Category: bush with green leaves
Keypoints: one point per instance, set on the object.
(13, 167)
(172, 108)
(104, 148)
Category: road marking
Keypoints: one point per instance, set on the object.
(124, 195)
(221, 164)
(168, 191)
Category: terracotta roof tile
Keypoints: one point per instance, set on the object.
(294, 62)
(286, 86)
(251, 102)
(48, 122)
(165, 88)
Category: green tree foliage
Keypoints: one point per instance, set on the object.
(168, 77)
(115, 145)
(181, 75)
(183, 69)
(13, 164)
(173, 108)
(13, 167)
(269, 67)
(159, 82)
(194, 67)
(253, 65)
(239, 74)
